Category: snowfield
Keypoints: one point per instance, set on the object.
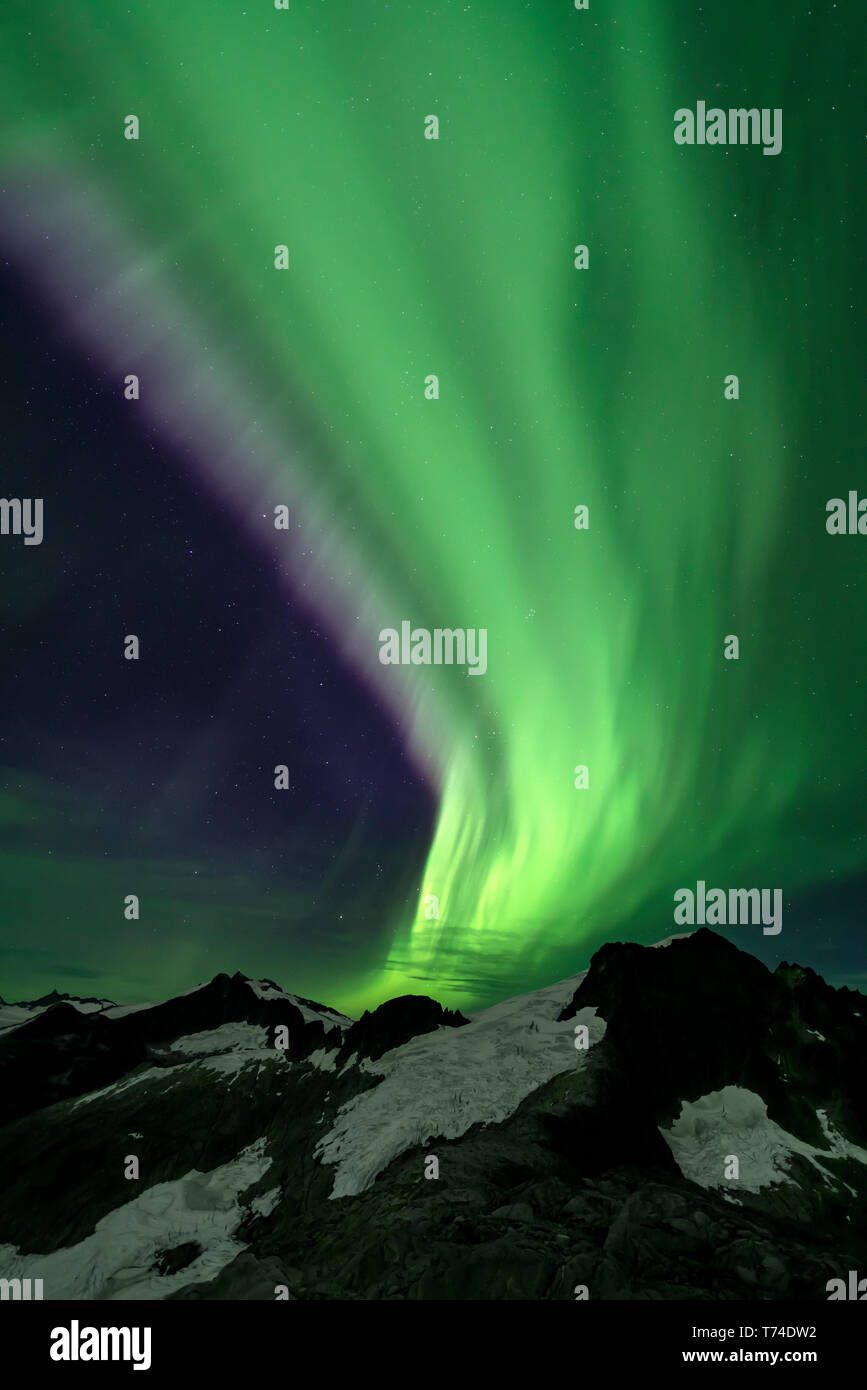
(444, 1082)
(227, 1049)
(115, 1262)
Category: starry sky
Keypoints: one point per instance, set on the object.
(305, 387)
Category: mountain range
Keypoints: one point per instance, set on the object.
(675, 1122)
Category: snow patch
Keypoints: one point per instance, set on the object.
(243, 1037)
(115, 1262)
(115, 1088)
(323, 1058)
(229, 1048)
(13, 1015)
(330, 1018)
(735, 1121)
(121, 1010)
(265, 1204)
(840, 1146)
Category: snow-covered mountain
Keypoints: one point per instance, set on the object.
(671, 1123)
(13, 1014)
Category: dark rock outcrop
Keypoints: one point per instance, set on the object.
(393, 1023)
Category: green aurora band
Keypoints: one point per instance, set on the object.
(558, 387)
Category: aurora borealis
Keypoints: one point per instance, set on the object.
(557, 388)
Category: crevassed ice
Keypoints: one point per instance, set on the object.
(444, 1082)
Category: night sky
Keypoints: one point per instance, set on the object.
(306, 387)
